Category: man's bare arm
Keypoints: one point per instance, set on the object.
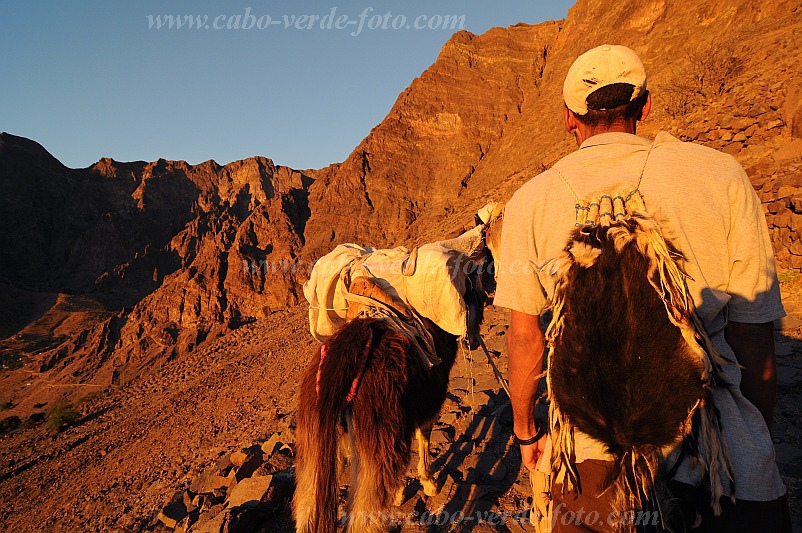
(525, 347)
(753, 345)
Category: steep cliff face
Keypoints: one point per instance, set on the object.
(716, 70)
(487, 115)
(163, 253)
(109, 271)
(427, 150)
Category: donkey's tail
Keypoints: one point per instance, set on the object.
(343, 359)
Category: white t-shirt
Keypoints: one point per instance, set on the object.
(706, 205)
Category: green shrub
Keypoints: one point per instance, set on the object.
(787, 276)
(61, 416)
(32, 421)
(94, 395)
(703, 74)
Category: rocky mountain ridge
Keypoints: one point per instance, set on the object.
(159, 256)
(147, 247)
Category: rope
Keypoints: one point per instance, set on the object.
(588, 213)
(323, 353)
(576, 196)
(496, 371)
(643, 168)
(363, 361)
(469, 364)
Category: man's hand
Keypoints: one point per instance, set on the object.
(530, 454)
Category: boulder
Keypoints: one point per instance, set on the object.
(696, 132)
(190, 501)
(737, 123)
(172, 514)
(789, 152)
(250, 489)
(247, 461)
(792, 110)
(276, 463)
(783, 218)
(757, 110)
(776, 207)
(272, 444)
(796, 223)
(733, 148)
(281, 489)
(183, 525)
(246, 519)
(208, 523)
(209, 482)
(224, 463)
(785, 236)
(782, 256)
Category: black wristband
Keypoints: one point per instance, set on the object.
(531, 440)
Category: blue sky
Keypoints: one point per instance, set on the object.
(88, 78)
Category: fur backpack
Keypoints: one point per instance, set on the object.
(630, 362)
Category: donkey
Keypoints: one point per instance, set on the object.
(373, 429)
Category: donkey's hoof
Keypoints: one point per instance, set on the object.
(429, 487)
(399, 496)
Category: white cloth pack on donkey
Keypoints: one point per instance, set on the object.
(430, 280)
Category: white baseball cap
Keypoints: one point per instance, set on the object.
(599, 67)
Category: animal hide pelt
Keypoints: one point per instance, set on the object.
(630, 363)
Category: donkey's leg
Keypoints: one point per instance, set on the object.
(399, 494)
(344, 454)
(366, 511)
(424, 434)
(308, 453)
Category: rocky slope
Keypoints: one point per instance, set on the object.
(166, 452)
(117, 272)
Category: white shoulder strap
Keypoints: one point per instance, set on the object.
(605, 207)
